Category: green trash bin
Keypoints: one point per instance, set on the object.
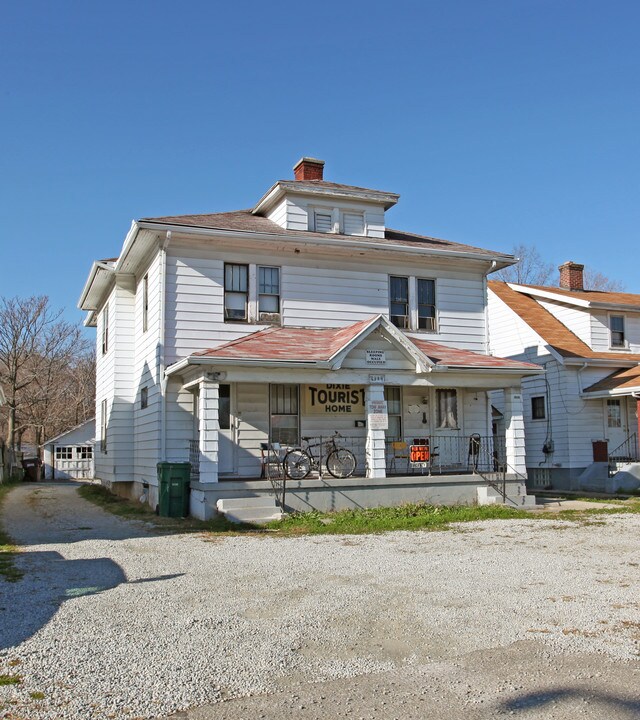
(174, 483)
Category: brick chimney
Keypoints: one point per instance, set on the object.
(571, 276)
(308, 169)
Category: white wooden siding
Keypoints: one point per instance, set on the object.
(147, 422)
(278, 213)
(509, 334)
(300, 208)
(576, 319)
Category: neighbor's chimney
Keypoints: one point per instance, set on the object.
(308, 169)
(571, 276)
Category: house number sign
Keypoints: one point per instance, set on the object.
(376, 357)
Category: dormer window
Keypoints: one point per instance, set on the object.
(353, 223)
(616, 328)
(322, 221)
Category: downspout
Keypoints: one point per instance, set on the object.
(163, 379)
(580, 369)
(485, 290)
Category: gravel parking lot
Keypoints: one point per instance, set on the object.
(538, 618)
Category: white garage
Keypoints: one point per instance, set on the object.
(70, 456)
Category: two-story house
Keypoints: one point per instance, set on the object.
(581, 416)
(220, 335)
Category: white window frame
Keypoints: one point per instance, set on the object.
(103, 426)
(105, 329)
(144, 398)
(443, 423)
(277, 295)
(625, 344)
(544, 408)
(244, 319)
(64, 452)
(413, 319)
(407, 326)
(145, 303)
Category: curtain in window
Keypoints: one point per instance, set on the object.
(447, 403)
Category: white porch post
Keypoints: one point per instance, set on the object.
(208, 431)
(375, 447)
(514, 425)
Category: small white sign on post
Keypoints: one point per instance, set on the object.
(376, 357)
(377, 417)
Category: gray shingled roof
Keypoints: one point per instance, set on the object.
(245, 221)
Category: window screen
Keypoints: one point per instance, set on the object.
(399, 301)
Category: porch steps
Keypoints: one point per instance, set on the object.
(249, 509)
(487, 495)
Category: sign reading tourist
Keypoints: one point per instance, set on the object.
(334, 399)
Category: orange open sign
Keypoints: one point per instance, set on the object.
(419, 454)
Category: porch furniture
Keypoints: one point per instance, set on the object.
(399, 451)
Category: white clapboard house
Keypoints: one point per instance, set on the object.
(223, 339)
(581, 416)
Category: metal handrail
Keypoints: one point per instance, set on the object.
(627, 451)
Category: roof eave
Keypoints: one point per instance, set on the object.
(88, 286)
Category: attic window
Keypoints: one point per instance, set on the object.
(323, 222)
(353, 223)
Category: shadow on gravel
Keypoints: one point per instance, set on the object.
(28, 605)
(618, 706)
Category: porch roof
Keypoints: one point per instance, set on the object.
(620, 382)
(319, 346)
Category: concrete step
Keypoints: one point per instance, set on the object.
(486, 495)
(250, 509)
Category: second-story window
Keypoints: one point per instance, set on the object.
(399, 301)
(426, 304)
(236, 291)
(105, 330)
(145, 303)
(268, 290)
(616, 327)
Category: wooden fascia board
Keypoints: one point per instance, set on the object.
(570, 300)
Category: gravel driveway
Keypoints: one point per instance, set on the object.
(534, 618)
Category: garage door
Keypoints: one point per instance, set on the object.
(73, 461)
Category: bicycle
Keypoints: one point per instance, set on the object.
(299, 462)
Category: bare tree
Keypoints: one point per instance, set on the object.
(595, 280)
(39, 357)
(531, 268)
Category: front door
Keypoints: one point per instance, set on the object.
(226, 437)
(616, 422)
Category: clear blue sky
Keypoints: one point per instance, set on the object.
(498, 121)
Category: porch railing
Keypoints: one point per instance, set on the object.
(194, 459)
(626, 452)
(470, 453)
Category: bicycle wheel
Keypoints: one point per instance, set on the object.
(297, 464)
(341, 463)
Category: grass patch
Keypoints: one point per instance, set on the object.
(37, 695)
(8, 550)
(131, 510)
(410, 516)
(10, 679)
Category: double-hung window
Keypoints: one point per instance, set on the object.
(538, 410)
(268, 290)
(105, 330)
(616, 327)
(145, 303)
(103, 426)
(236, 292)
(399, 301)
(426, 304)
(393, 396)
(284, 411)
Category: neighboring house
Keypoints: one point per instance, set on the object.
(69, 456)
(219, 334)
(583, 413)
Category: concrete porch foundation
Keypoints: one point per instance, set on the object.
(329, 494)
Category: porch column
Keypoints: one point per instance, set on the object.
(375, 447)
(514, 431)
(208, 431)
